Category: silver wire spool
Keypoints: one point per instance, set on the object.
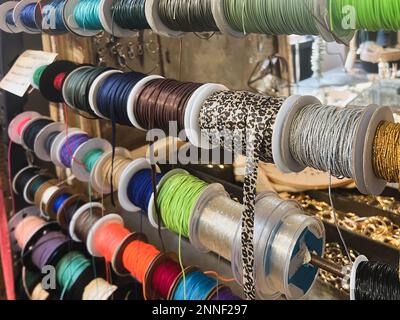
(215, 223)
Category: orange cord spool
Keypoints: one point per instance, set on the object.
(108, 238)
(138, 257)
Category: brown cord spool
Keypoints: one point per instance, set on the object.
(86, 221)
(162, 101)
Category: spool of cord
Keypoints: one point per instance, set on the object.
(284, 16)
(59, 201)
(36, 184)
(187, 16)
(23, 177)
(28, 16)
(78, 85)
(140, 189)
(130, 14)
(225, 294)
(377, 281)
(70, 210)
(86, 14)
(37, 74)
(85, 222)
(176, 200)
(137, 258)
(91, 158)
(99, 290)
(32, 130)
(162, 101)
(110, 173)
(46, 247)
(370, 15)
(108, 238)
(386, 152)
(112, 97)
(194, 286)
(71, 144)
(69, 269)
(27, 228)
(326, 144)
(164, 277)
(10, 18)
(39, 294)
(52, 14)
(49, 141)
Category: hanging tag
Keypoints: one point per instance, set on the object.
(19, 78)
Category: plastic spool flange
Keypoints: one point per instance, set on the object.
(34, 169)
(68, 14)
(94, 88)
(4, 8)
(155, 22)
(353, 276)
(77, 214)
(152, 214)
(96, 179)
(67, 79)
(108, 219)
(212, 191)
(133, 96)
(316, 227)
(374, 185)
(108, 23)
(281, 133)
(17, 16)
(59, 142)
(126, 176)
(26, 126)
(78, 167)
(16, 219)
(222, 24)
(48, 198)
(192, 113)
(39, 145)
(12, 128)
(323, 23)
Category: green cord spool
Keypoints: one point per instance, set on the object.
(176, 200)
(273, 17)
(69, 269)
(371, 15)
(91, 158)
(37, 75)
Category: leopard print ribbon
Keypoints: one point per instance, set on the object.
(242, 122)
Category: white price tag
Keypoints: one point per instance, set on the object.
(18, 79)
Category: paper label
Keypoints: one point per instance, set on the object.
(18, 79)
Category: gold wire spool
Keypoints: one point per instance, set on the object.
(386, 152)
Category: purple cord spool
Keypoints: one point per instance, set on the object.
(46, 246)
(225, 294)
(70, 146)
